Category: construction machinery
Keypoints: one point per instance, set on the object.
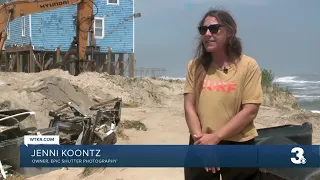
(12, 10)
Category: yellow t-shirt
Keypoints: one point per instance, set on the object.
(223, 94)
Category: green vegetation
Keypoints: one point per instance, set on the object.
(133, 124)
(267, 78)
(88, 171)
(16, 177)
(130, 124)
(268, 84)
(274, 95)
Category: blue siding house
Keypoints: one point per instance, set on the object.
(36, 37)
(48, 30)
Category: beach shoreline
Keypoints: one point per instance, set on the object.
(155, 102)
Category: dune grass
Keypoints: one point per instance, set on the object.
(268, 84)
(274, 94)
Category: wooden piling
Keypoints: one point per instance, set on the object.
(121, 64)
(131, 65)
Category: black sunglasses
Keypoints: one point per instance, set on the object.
(214, 28)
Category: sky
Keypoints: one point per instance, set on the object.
(282, 35)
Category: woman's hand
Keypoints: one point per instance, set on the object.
(196, 137)
(213, 170)
(208, 139)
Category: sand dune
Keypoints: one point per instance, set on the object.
(156, 103)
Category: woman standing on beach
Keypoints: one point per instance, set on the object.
(222, 94)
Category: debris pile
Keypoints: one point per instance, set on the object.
(62, 108)
(79, 128)
(14, 124)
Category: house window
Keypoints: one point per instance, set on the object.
(23, 26)
(99, 27)
(112, 2)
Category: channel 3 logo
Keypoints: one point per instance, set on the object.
(299, 158)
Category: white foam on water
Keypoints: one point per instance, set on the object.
(286, 79)
(293, 79)
(306, 96)
(172, 78)
(299, 88)
(304, 88)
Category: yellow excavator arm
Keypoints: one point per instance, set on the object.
(3, 37)
(18, 8)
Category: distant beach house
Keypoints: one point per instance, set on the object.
(45, 31)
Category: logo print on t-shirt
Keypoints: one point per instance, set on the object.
(219, 86)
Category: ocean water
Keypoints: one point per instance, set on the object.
(306, 88)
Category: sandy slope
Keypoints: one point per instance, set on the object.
(160, 109)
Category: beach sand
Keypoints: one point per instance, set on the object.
(156, 103)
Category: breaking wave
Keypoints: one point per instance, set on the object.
(305, 88)
(294, 79)
(172, 78)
